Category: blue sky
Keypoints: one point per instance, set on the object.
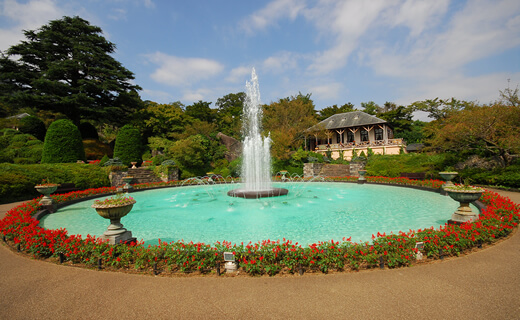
(340, 51)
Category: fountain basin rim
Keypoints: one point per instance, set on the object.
(256, 194)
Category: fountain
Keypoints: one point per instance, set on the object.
(256, 157)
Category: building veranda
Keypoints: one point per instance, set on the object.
(345, 134)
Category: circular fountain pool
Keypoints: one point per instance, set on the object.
(311, 212)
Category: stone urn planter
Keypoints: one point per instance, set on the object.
(447, 176)
(362, 178)
(114, 209)
(127, 187)
(284, 173)
(133, 163)
(464, 195)
(46, 201)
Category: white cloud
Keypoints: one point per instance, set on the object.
(281, 62)
(328, 91)
(239, 74)
(270, 14)
(25, 16)
(193, 96)
(177, 71)
(346, 21)
(149, 4)
(417, 15)
(482, 89)
(156, 95)
(118, 14)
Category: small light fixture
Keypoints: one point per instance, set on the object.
(155, 268)
(381, 262)
(230, 265)
(99, 262)
(62, 257)
(441, 254)
(300, 269)
(419, 246)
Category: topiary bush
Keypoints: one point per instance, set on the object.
(34, 126)
(129, 146)
(63, 143)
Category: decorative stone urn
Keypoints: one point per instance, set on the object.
(284, 173)
(127, 187)
(133, 163)
(362, 178)
(447, 176)
(115, 232)
(464, 195)
(46, 201)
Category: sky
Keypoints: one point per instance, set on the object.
(353, 51)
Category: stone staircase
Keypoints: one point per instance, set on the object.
(143, 175)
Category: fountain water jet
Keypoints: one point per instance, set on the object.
(256, 164)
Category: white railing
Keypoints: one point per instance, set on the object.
(352, 145)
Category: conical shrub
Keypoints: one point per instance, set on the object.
(63, 143)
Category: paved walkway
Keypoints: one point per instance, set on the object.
(482, 285)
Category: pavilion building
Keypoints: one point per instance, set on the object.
(353, 132)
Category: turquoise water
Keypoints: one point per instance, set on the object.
(311, 212)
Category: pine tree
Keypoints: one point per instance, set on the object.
(65, 66)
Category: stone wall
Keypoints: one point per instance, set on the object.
(332, 170)
(312, 169)
(142, 175)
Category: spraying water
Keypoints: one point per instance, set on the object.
(256, 165)
(256, 157)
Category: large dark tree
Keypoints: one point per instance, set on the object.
(65, 66)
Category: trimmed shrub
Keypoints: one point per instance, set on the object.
(17, 181)
(63, 143)
(17, 147)
(33, 126)
(129, 146)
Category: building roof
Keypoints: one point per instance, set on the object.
(345, 120)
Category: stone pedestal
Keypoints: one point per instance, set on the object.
(46, 201)
(115, 232)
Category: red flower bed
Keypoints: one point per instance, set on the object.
(498, 220)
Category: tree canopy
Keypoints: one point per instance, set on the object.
(286, 120)
(66, 67)
(488, 130)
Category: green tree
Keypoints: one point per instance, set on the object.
(488, 129)
(201, 110)
(371, 107)
(163, 119)
(192, 155)
(400, 118)
(439, 109)
(332, 110)
(63, 143)
(229, 113)
(286, 121)
(129, 147)
(510, 96)
(66, 67)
